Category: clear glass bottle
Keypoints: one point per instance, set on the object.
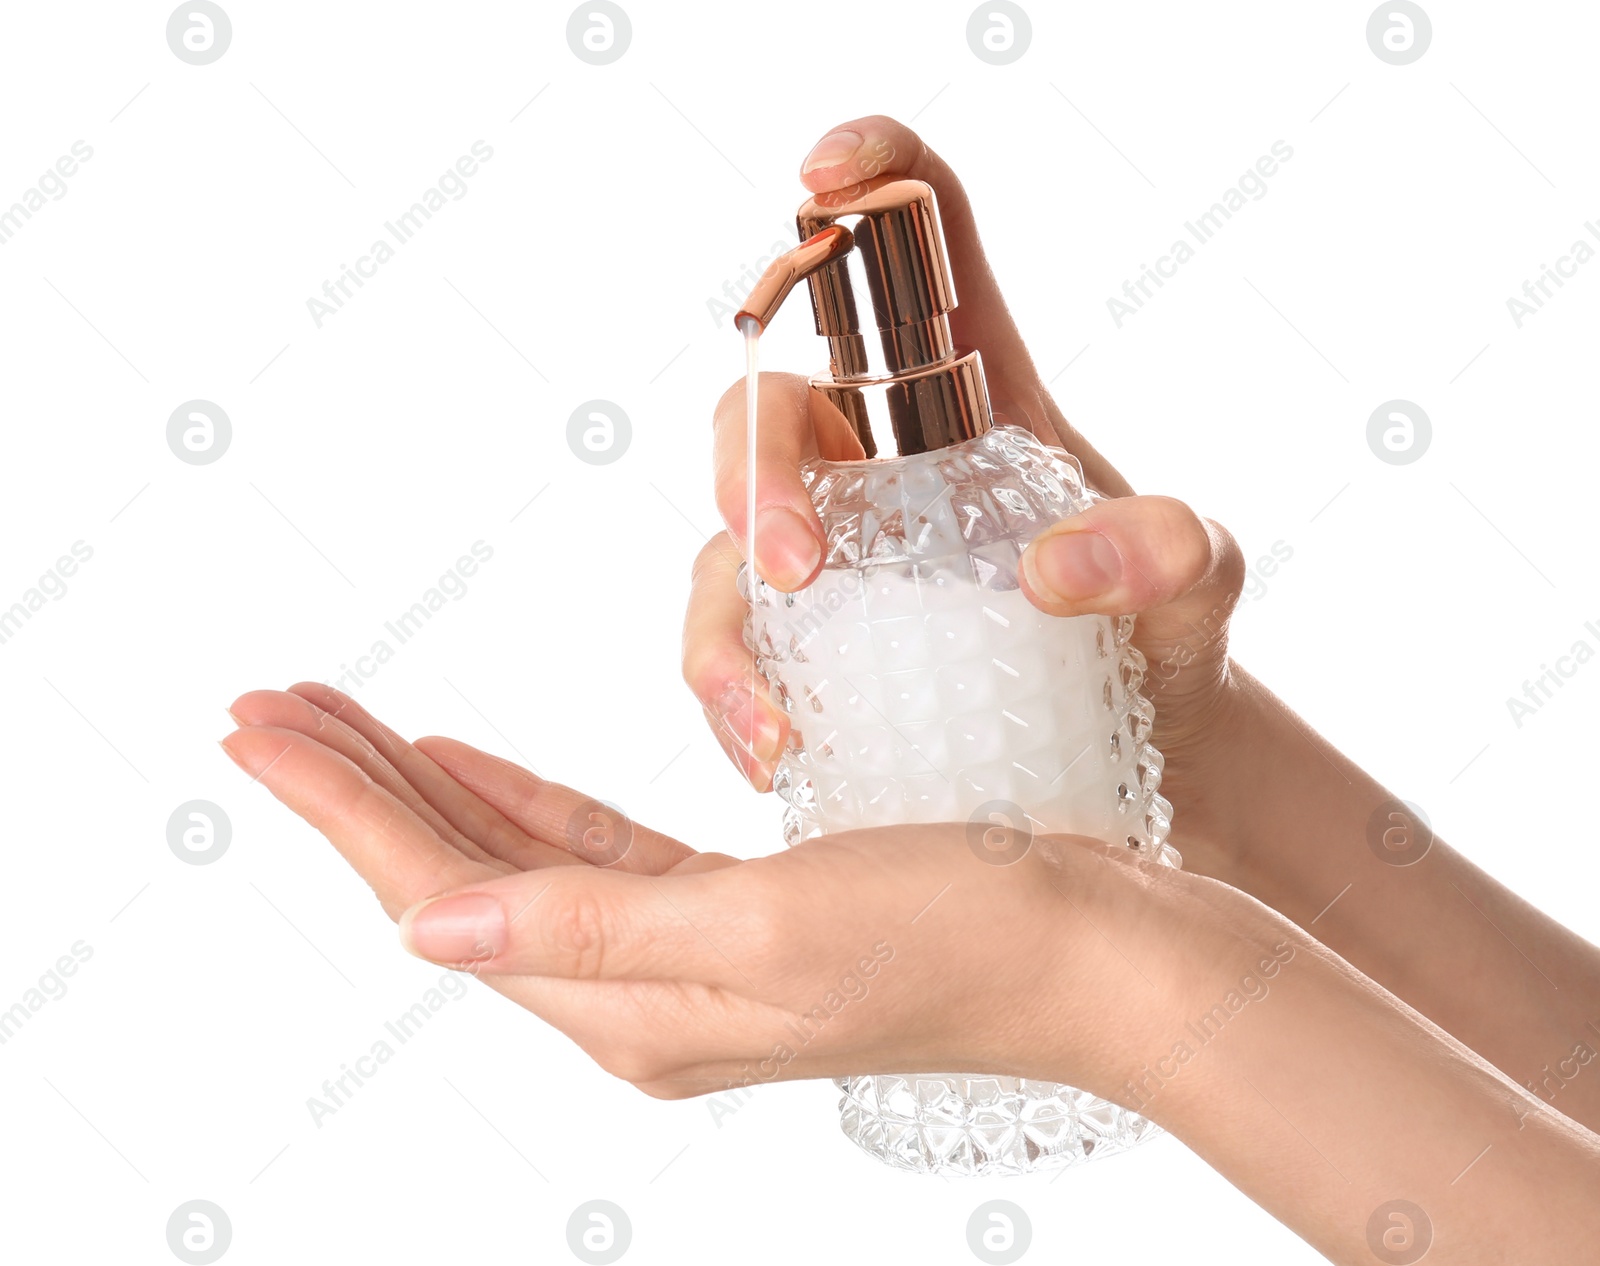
(920, 684)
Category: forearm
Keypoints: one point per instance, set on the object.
(1498, 974)
(1324, 1099)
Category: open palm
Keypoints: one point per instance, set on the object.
(687, 972)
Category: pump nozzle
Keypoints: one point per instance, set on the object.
(884, 307)
(790, 268)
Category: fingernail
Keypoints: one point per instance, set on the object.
(831, 150)
(1071, 566)
(750, 722)
(757, 773)
(467, 928)
(789, 549)
(229, 753)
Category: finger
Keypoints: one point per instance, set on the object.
(718, 666)
(556, 816)
(795, 423)
(702, 862)
(758, 773)
(877, 145)
(288, 711)
(1148, 555)
(467, 814)
(577, 923)
(400, 856)
(669, 1038)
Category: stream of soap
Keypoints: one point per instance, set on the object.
(752, 382)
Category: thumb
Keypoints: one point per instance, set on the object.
(1150, 556)
(579, 923)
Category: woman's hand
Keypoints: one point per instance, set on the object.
(911, 948)
(915, 949)
(1263, 803)
(1151, 556)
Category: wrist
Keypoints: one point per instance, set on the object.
(1321, 1096)
(1156, 948)
(1173, 1078)
(1270, 807)
(1213, 774)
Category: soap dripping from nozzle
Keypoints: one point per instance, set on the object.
(760, 306)
(751, 329)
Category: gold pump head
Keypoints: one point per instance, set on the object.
(881, 293)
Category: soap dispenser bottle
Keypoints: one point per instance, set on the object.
(920, 683)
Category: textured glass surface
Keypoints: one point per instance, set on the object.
(982, 1125)
(922, 686)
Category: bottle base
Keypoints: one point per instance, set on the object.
(927, 1123)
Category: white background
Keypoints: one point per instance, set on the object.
(370, 453)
